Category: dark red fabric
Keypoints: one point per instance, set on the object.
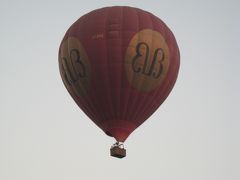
(111, 102)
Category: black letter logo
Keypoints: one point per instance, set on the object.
(152, 70)
(78, 69)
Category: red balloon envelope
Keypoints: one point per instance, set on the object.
(119, 64)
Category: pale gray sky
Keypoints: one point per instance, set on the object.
(195, 135)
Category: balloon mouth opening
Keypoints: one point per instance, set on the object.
(119, 129)
(119, 134)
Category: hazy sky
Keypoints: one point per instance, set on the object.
(194, 135)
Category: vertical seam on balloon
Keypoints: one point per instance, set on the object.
(131, 89)
(104, 115)
(127, 94)
(141, 103)
(136, 95)
(107, 64)
(122, 70)
(126, 102)
(122, 65)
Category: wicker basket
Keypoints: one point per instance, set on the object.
(118, 152)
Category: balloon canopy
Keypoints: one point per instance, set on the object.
(119, 64)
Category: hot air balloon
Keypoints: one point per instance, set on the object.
(119, 64)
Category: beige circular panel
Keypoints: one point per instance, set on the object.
(147, 60)
(74, 66)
